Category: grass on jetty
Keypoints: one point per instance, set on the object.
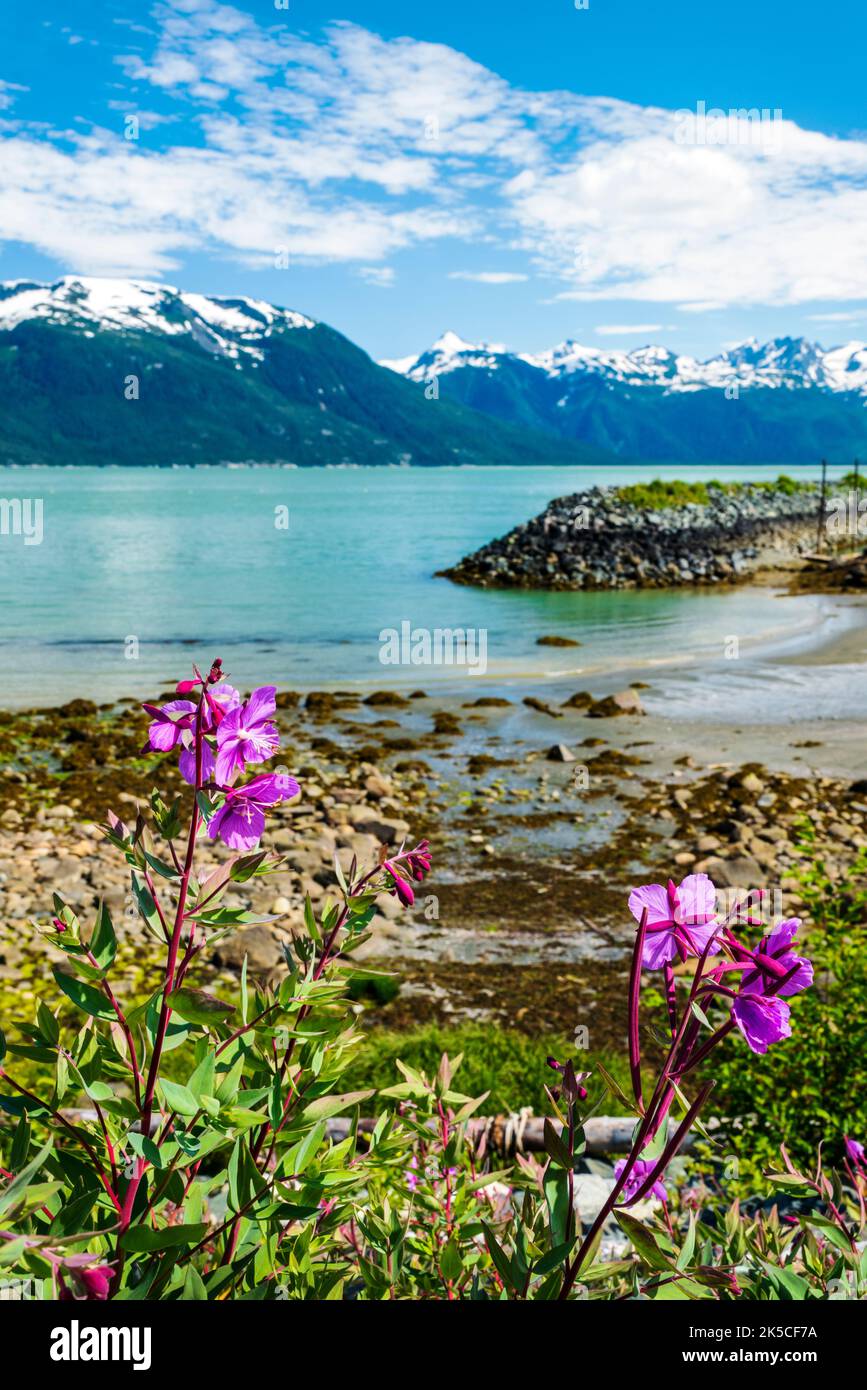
(661, 493)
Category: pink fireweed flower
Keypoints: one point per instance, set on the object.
(761, 1018)
(854, 1151)
(641, 1170)
(412, 1174)
(680, 921)
(246, 734)
(240, 821)
(170, 722)
(217, 704)
(774, 959)
(174, 725)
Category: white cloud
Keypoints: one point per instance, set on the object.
(488, 277)
(610, 329)
(380, 275)
(845, 316)
(352, 147)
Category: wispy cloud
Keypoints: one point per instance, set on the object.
(844, 316)
(611, 329)
(381, 275)
(488, 277)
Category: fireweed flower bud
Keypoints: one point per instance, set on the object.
(418, 861)
(399, 886)
(92, 1284)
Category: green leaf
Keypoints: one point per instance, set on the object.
(791, 1286)
(16, 1191)
(556, 1188)
(103, 942)
(179, 1098)
(197, 1006)
(643, 1240)
(615, 1089)
(202, 1080)
(555, 1146)
(500, 1258)
(141, 1239)
(245, 1002)
(193, 1286)
(326, 1106)
(303, 1153)
(688, 1248)
(553, 1259)
(451, 1262)
(90, 1001)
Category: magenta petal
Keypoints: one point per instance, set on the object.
(229, 760)
(269, 787)
(653, 897)
(696, 898)
(242, 828)
(187, 764)
(659, 949)
(260, 705)
(163, 735)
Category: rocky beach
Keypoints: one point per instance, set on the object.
(542, 809)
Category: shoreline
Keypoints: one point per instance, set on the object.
(809, 642)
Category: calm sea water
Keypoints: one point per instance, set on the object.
(191, 564)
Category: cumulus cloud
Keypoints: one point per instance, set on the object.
(349, 147)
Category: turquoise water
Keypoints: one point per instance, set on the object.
(190, 564)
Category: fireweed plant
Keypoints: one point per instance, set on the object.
(132, 1184)
(248, 1174)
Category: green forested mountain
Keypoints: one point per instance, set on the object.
(124, 372)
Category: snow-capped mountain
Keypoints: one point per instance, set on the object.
(783, 362)
(786, 401)
(128, 371)
(228, 327)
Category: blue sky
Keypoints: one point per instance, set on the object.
(518, 173)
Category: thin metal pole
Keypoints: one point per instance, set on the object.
(820, 523)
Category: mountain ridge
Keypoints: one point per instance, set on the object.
(99, 371)
(783, 402)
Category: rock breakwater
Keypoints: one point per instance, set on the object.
(652, 536)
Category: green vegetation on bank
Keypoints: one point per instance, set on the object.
(505, 1062)
(814, 1091)
(660, 493)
